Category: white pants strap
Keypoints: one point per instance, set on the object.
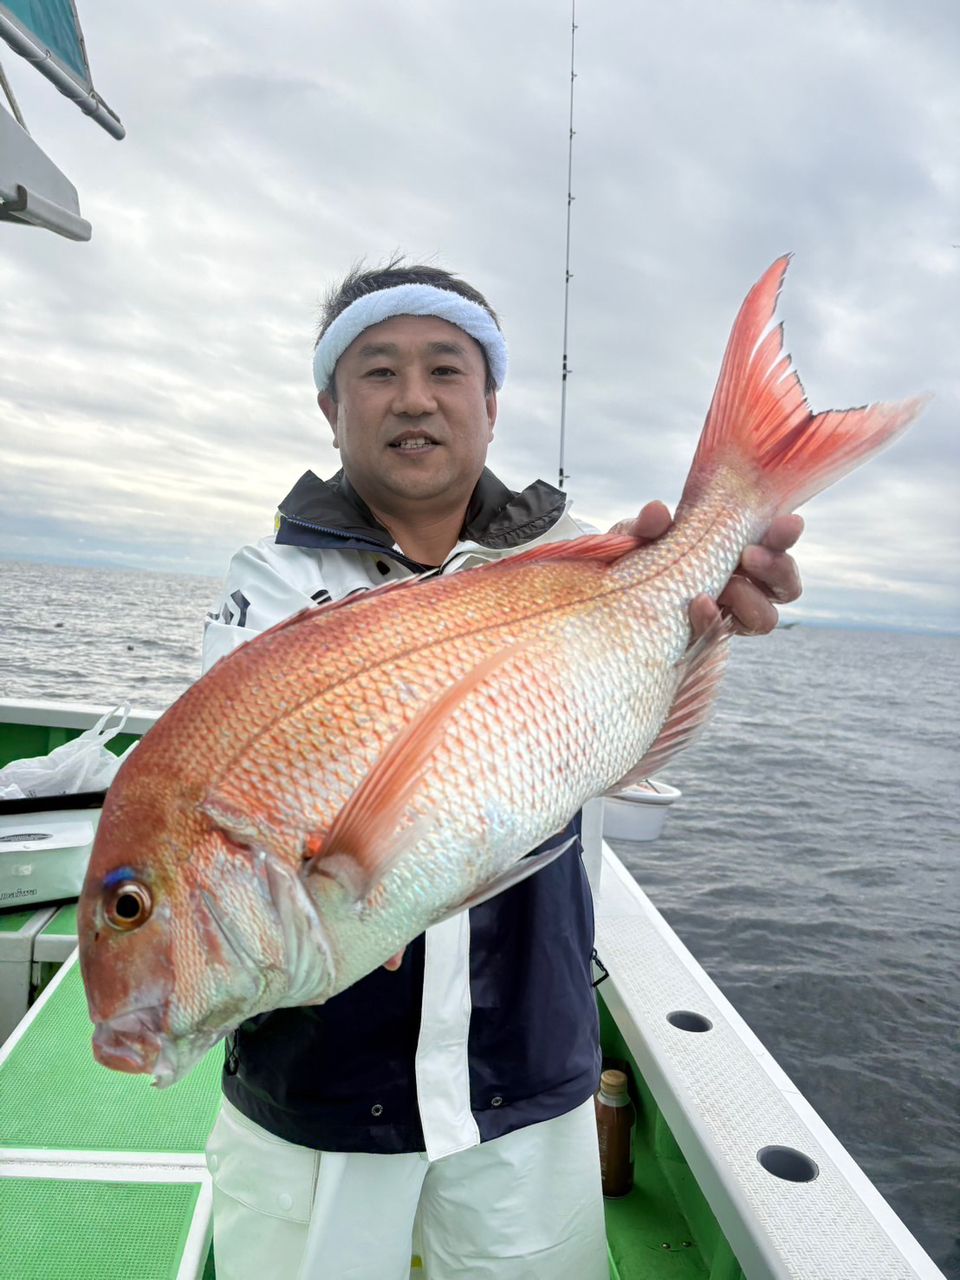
(526, 1206)
(363, 1214)
(443, 1076)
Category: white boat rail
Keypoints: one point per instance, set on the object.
(790, 1199)
(69, 715)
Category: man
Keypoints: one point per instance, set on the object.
(452, 1090)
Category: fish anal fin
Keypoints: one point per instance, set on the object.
(363, 843)
(702, 668)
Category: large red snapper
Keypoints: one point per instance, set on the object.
(330, 790)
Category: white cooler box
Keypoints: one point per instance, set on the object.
(45, 845)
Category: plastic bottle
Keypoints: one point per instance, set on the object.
(615, 1119)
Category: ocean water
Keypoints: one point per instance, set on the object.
(100, 635)
(811, 864)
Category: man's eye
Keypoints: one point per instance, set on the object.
(445, 371)
(379, 373)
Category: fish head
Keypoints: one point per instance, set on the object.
(184, 933)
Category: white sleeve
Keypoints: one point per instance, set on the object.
(584, 525)
(261, 589)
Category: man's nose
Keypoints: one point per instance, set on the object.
(413, 395)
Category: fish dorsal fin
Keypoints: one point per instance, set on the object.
(702, 670)
(603, 547)
(310, 611)
(362, 844)
(361, 595)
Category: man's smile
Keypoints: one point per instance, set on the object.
(413, 442)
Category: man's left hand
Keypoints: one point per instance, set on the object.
(765, 574)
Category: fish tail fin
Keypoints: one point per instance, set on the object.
(761, 425)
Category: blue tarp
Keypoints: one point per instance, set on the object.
(54, 25)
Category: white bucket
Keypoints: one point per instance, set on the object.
(639, 812)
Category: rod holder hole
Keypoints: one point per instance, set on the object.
(687, 1020)
(786, 1163)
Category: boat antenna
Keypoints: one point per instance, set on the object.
(567, 274)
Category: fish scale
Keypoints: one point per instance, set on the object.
(363, 770)
(371, 713)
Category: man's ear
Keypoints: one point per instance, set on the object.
(329, 409)
(491, 402)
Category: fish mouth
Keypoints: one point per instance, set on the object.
(130, 1042)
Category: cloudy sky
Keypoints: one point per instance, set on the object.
(156, 401)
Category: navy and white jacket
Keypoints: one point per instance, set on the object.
(490, 1024)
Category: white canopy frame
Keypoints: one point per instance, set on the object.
(78, 89)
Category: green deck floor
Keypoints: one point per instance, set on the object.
(96, 1109)
(13, 921)
(647, 1236)
(64, 923)
(662, 1229)
(64, 1229)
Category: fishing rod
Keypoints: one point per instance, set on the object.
(567, 274)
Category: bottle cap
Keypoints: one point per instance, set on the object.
(613, 1083)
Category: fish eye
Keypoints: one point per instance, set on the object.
(128, 905)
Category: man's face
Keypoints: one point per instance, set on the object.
(412, 420)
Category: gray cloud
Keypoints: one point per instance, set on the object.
(155, 394)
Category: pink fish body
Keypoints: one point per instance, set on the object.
(330, 790)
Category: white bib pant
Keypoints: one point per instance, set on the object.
(526, 1206)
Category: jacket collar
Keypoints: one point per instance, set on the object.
(497, 517)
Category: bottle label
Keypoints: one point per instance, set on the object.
(616, 1143)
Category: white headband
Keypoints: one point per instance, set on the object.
(409, 300)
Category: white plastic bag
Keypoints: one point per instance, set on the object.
(83, 764)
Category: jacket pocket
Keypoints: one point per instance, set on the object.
(259, 1170)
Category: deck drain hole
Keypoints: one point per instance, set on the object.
(25, 836)
(784, 1162)
(686, 1020)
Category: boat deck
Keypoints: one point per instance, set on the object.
(108, 1172)
(57, 1098)
(736, 1177)
(101, 1176)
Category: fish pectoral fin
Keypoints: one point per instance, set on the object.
(520, 871)
(366, 839)
(701, 670)
(359, 880)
